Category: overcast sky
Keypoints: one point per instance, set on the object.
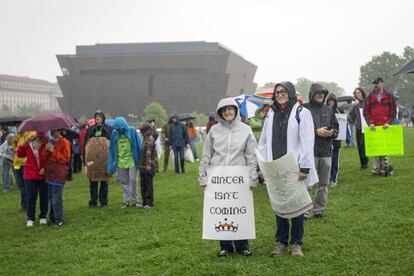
(319, 40)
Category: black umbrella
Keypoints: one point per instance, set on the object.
(12, 120)
(408, 68)
(344, 99)
(185, 116)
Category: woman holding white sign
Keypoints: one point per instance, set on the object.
(289, 130)
(229, 143)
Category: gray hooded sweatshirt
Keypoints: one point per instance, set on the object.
(229, 144)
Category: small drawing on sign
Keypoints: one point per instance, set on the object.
(231, 227)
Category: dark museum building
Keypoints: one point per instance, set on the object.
(123, 78)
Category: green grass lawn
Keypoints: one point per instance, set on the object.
(368, 229)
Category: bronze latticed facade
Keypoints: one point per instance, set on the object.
(123, 78)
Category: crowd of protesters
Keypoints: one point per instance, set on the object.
(308, 130)
(42, 162)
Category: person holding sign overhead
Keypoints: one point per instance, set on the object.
(289, 128)
(229, 143)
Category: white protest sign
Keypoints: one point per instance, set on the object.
(228, 204)
(288, 196)
(342, 126)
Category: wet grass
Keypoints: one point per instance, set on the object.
(368, 229)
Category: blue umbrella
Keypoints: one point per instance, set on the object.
(247, 108)
(110, 122)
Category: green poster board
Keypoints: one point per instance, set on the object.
(382, 142)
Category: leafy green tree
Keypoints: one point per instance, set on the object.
(333, 87)
(201, 119)
(303, 85)
(156, 111)
(269, 84)
(30, 110)
(385, 66)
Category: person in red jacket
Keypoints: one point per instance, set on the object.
(34, 176)
(380, 110)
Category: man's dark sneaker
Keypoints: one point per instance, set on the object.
(318, 216)
(92, 206)
(56, 223)
(104, 206)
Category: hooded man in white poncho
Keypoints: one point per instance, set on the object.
(288, 128)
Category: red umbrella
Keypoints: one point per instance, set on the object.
(46, 122)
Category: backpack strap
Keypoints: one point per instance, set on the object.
(298, 110)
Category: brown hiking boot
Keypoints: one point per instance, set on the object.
(296, 250)
(279, 249)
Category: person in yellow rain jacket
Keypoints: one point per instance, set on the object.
(18, 166)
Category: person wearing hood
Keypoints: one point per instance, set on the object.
(256, 123)
(34, 176)
(148, 166)
(95, 158)
(179, 140)
(332, 102)
(124, 157)
(288, 128)
(229, 143)
(326, 129)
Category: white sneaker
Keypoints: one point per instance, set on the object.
(30, 223)
(138, 205)
(42, 221)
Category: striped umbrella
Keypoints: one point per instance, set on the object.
(262, 96)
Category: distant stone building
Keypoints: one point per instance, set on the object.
(16, 91)
(123, 78)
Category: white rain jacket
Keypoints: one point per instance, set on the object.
(229, 144)
(300, 140)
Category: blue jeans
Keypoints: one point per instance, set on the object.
(6, 174)
(350, 135)
(240, 245)
(193, 148)
(56, 203)
(335, 164)
(179, 154)
(22, 187)
(296, 231)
